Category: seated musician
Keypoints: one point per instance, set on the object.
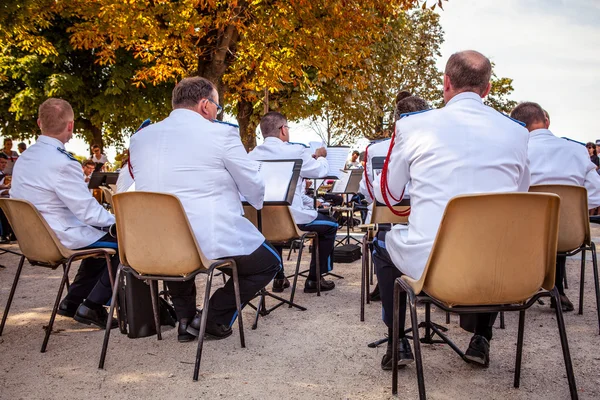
(165, 159)
(444, 153)
(52, 180)
(276, 146)
(553, 160)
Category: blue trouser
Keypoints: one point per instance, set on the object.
(92, 281)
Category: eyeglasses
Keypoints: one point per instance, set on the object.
(219, 108)
(284, 126)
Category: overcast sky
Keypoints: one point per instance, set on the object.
(551, 48)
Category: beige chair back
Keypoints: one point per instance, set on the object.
(383, 215)
(278, 224)
(155, 236)
(574, 228)
(493, 249)
(37, 240)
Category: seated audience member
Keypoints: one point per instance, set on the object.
(51, 179)
(591, 147)
(10, 155)
(21, 147)
(354, 161)
(209, 188)
(444, 153)
(88, 170)
(276, 146)
(553, 160)
(98, 158)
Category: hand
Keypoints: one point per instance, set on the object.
(112, 230)
(321, 152)
(319, 203)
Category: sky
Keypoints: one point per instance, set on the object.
(550, 48)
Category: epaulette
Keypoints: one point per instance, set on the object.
(67, 154)
(301, 144)
(523, 124)
(225, 123)
(414, 112)
(143, 125)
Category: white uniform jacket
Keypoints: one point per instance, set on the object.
(556, 161)
(52, 180)
(463, 148)
(376, 149)
(125, 182)
(205, 165)
(275, 149)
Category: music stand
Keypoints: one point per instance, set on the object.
(281, 177)
(102, 179)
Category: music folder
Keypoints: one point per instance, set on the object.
(102, 179)
(349, 182)
(280, 177)
(375, 173)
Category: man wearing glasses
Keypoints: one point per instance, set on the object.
(165, 159)
(275, 130)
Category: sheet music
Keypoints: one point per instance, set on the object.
(336, 157)
(277, 177)
(341, 184)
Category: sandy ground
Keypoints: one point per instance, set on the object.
(316, 354)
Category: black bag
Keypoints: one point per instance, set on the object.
(346, 254)
(135, 304)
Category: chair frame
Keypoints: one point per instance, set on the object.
(153, 280)
(65, 262)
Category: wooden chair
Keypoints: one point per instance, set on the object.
(574, 232)
(41, 247)
(156, 242)
(381, 215)
(484, 261)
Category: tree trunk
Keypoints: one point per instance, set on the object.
(247, 125)
(97, 137)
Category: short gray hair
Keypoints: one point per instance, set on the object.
(469, 70)
(529, 113)
(410, 104)
(270, 124)
(190, 91)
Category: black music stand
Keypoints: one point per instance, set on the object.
(348, 184)
(102, 179)
(281, 177)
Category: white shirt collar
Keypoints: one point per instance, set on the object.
(273, 139)
(185, 113)
(540, 132)
(465, 96)
(50, 141)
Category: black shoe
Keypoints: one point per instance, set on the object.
(98, 317)
(565, 303)
(478, 351)
(311, 286)
(67, 308)
(405, 355)
(375, 296)
(213, 330)
(182, 334)
(280, 284)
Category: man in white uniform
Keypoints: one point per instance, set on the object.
(556, 161)
(463, 148)
(165, 158)
(276, 146)
(52, 180)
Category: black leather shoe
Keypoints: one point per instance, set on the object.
(182, 334)
(280, 284)
(67, 308)
(311, 286)
(565, 303)
(405, 355)
(98, 317)
(375, 296)
(213, 330)
(479, 351)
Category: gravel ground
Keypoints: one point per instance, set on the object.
(319, 353)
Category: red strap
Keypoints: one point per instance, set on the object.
(129, 167)
(369, 184)
(384, 182)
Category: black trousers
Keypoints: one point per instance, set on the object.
(4, 225)
(559, 281)
(326, 229)
(92, 281)
(255, 271)
(386, 275)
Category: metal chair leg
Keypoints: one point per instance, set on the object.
(12, 293)
(596, 284)
(502, 326)
(154, 296)
(581, 280)
(297, 270)
(367, 280)
(238, 303)
(111, 311)
(565, 344)
(318, 263)
(203, 324)
(363, 282)
(68, 283)
(519, 348)
(447, 318)
(395, 332)
(56, 304)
